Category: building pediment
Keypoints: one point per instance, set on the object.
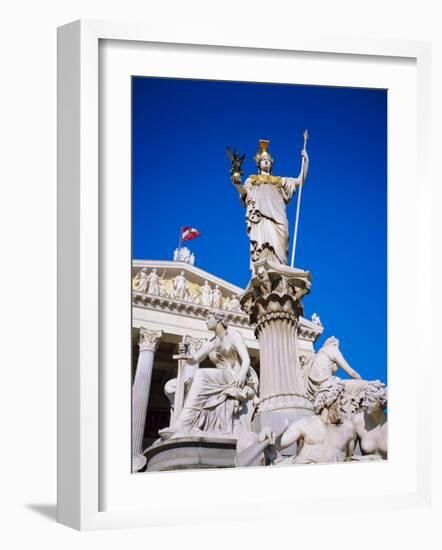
(190, 303)
(194, 276)
(192, 273)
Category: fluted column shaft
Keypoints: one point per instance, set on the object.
(149, 340)
(280, 371)
(273, 300)
(282, 384)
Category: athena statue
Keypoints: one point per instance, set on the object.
(265, 197)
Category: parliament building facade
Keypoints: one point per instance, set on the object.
(173, 311)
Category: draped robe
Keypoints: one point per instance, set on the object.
(265, 200)
(213, 403)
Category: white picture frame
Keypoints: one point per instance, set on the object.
(80, 295)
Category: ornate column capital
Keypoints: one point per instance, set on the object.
(274, 294)
(149, 339)
(273, 300)
(191, 343)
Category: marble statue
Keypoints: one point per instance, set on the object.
(154, 282)
(179, 286)
(206, 294)
(316, 319)
(220, 399)
(265, 197)
(304, 413)
(195, 297)
(216, 297)
(258, 449)
(370, 419)
(183, 254)
(328, 436)
(262, 282)
(237, 161)
(233, 304)
(321, 368)
(162, 290)
(141, 281)
(247, 305)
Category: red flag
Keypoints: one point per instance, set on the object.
(189, 233)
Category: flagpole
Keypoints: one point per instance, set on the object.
(179, 241)
(298, 206)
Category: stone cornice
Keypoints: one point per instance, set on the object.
(184, 307)
(307, 330)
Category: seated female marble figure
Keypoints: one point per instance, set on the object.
(328, 436)
(370, 420)
(220, 399)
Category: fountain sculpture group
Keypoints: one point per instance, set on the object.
(299, 411)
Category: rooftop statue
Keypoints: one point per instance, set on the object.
(206, 294)
(154, 282)
(265, 197)
(233, 304)
(183, 254)
(141, 281)
(216, 297)
(179, 286)
(316, 319)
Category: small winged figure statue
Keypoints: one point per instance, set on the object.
(237, 160)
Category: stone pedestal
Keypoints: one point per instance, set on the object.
(149, 340)
(192, 451)
(273, 300)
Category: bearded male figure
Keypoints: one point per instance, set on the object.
(265, 197)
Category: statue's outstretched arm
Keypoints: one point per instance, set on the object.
(342, 363)
(242, 192)
(304, 168)
(292, 435)
(242, 189)
(289, 184)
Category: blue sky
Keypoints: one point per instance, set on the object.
(181, 177)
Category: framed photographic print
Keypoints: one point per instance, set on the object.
(235, 224)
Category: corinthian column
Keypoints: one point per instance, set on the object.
(149, 340)
(282, 383)
(273, 300)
